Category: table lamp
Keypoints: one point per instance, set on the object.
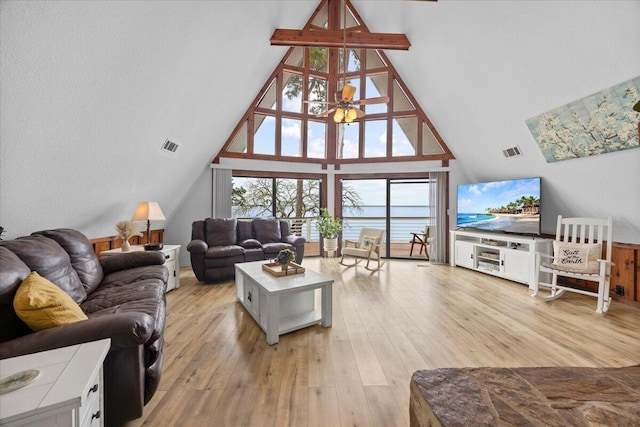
(149, 211)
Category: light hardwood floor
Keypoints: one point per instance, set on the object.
(219, 370)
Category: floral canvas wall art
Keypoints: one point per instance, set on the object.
(600, 123)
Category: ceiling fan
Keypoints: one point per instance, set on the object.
(344, 107)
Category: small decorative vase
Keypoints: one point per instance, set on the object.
(285, 267)
(126, 247)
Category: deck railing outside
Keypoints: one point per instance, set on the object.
(401, 229)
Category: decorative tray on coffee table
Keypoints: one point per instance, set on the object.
(276, 269)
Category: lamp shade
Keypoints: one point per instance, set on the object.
(148, 211)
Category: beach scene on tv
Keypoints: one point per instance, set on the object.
(511, 206)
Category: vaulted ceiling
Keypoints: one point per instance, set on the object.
(90, 91)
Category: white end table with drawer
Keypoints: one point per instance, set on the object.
(172, 261)
(67, 392)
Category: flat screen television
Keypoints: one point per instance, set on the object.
(510, 206)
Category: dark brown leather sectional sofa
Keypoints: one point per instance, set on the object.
(123, 297)
(219, 243)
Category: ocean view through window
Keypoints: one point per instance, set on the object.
(400, 206)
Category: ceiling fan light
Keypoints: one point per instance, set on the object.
(347, 92)
(352, 115)
(339, 115)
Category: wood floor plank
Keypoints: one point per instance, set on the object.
(395, 371)
(201, 408)
(352, 402)
(323, 407)
(293, 406)
(232, 408)
(383, 407)
(219, 371)
(262, 406)
(321, 373)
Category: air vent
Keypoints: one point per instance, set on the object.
(512, 152)
(170, 146)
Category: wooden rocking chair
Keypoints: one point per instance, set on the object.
(578, 253)
(367, 247)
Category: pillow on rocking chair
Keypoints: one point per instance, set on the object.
(576, 257)
(367, 243)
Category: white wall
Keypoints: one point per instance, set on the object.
(195, 205)
(481, 68)
(89, 90)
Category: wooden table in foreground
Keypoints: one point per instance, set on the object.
(553, 396)
(283, 304)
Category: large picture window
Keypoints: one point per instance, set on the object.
(292, 118)
(294, 199)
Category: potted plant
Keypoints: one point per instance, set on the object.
(284, 257)
(329, 228)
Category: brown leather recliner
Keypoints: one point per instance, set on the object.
(123, 296)
(218, 244)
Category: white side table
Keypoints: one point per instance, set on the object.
(68, 391)
(172, 261)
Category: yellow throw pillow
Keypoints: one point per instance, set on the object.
(42, 305)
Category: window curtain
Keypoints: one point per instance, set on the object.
(438, 204)
(221, 193)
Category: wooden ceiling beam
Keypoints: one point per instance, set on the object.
(335, 38)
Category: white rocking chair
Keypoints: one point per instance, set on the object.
(367, 247)
(578, 253)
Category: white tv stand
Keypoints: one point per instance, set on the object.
(511, 257)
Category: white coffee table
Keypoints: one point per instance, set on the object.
(283, 304)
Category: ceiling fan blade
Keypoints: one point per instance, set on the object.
(319, 102)
(378, 100)
(347, 93)
(359, 112)
(326, 113)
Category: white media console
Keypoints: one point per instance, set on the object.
(508, 256)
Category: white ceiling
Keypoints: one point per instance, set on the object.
(91, 89)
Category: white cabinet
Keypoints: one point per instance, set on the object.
(171, 261)
(508, 256)
(516, 265)
(67, 392)
(464, 254)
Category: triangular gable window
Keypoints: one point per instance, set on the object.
(287, 122)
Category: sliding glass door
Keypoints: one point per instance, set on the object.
(398, 205)
(364, 204)
(409, 215)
